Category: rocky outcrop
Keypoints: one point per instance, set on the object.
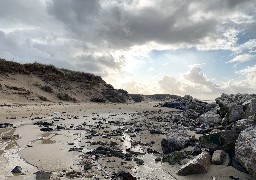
(243, 124)
(176, 139)
(245, 150)
(219, 140)
(200, 164)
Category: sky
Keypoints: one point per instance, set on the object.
(196, 47)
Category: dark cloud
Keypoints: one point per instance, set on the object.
(83, 34)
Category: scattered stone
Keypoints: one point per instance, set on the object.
(17, 170)
(122, 175)
(199, 164)
(42, 175)
(158, 159)
(87, 166)
(218, 157)
(46, 129)
(139, 161)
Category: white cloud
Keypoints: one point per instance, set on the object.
(241, 58)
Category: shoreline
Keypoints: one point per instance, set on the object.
(105, 120)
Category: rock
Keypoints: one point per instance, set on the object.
(17, 170)
(218, 157)
(176, 140)
(236, 112)
(122, 175)
(210, 117)
(219, 140)
(242, 124)
(87, 166)
(251, 109)
(230, 111)
(139, 161)
(173, 157)
(155, 131)
(196, 151)
(199, 164)
(245, 150)
(158, 159)
(42, 175)
(46, 129)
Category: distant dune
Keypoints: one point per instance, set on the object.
(38, 82)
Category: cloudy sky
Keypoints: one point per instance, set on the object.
(196, 47)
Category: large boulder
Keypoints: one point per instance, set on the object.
(210, 117)
(175, 140)
(243, 124)
(200, 164)
(245, 150)
(225, 140)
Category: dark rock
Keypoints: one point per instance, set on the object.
(87, 166)
(42, 175)
(6, 125)
(176, 105)
(199, 164)
(139, 161)
(173, 158)
(155, 131)
(219, 140)
(46, 129)
(122, 175)
(158, 159)
(242, 124)
(175, 140)
(17, 170)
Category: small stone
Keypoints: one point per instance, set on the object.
(17, 170)
(218, 157)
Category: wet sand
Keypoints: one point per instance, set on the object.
(65, 150)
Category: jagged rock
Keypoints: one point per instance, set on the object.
(218, 157)
(175, 140)
(122, 175)
(210, 117)
(245, 150)
(242, 124)
(236, 112)
(173, 157)
(17, 170)
(219, 140)
(251, 109)
(42, 175)
(199, 164)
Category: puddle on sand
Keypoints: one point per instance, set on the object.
(151, 169)
(9, 160)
